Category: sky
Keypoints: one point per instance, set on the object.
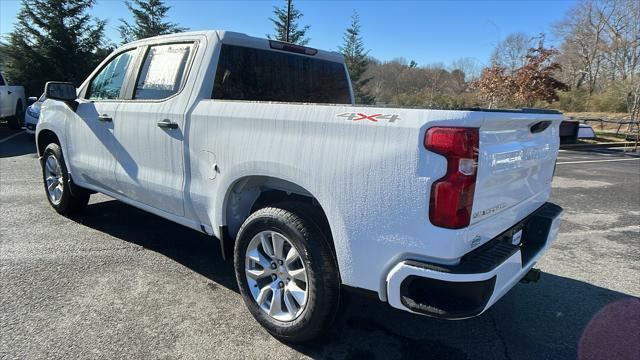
(427, 32)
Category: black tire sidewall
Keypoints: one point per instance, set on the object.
(15, 121)
(54, 149)
(319, 309)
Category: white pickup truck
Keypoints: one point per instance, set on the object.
(12, 102)
(258, 144)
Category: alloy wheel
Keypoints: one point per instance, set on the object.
(53, 179)
(276, 275)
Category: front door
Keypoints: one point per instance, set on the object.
(91, 144)
(150, 130)
(91, 141)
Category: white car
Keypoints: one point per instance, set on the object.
(586, 132)
(12, 103)
(258, 144)
(32, 114)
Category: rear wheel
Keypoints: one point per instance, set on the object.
(15, 122)
(57, 184)
(287, 274)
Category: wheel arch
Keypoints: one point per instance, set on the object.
(44, 138)
(248, 194)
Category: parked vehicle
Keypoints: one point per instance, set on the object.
(258, 143)
(32, 114)
(569, 131)
(11, 103)
(586, 132)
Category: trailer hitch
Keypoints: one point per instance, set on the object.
(532, 276)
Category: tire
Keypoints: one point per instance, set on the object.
(299, 320)
(15, 121)
(57, 184)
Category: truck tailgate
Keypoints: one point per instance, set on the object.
(516, 161)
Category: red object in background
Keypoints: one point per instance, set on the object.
(613, 333)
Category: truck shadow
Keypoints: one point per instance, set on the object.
(533, 321)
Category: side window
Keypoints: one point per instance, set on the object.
(1, 80)
(163, 71)
(107, 84)
(251, 74)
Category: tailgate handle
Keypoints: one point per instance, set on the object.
(539, 126)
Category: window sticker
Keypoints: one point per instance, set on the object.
(163, 71)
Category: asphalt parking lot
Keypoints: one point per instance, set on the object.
(119, 283)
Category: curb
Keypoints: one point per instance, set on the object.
(595, 146)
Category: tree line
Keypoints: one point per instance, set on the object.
(61, 40)
(595, 68)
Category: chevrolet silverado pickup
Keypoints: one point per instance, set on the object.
(12, 103)
(258, 144)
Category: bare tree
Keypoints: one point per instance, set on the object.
(622, 38)
(470, 67)
(583, 31)
(511, 52)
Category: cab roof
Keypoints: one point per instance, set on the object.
(235, 38)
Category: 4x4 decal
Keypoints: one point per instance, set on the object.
(374, 118)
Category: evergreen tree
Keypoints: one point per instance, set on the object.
(355, 57)
(148, 21)
(53, 40)
(293, 33)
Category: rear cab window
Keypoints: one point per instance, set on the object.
(252, 74)
(163, 71)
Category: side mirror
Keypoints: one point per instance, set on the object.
(57, 90)
(31, 100)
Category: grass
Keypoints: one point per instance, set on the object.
(610, 136)
(598, 115)
(604, 130)
(604, 137)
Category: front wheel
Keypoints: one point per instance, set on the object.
(57, 184)
(287, 274)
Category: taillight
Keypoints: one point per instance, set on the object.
(452, 195)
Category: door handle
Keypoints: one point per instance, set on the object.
(167, 124)
(105, 118)
(9, 92)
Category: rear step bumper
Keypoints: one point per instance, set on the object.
(481, 277)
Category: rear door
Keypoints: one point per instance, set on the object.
(516, 161)
(150, 128)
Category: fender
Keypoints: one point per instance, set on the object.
(283, 172)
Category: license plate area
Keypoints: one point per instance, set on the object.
(516, 238)
(530, 234)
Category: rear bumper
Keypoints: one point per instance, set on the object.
(481, 277)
